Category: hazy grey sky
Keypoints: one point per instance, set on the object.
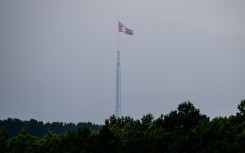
(58, 58)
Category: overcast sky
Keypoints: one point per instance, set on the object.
(58, 58)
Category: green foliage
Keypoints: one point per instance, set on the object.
(184, 130)
(39, 129)
(23, 142)
(241, 107)
(3, 141)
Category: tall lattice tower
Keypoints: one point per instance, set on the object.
(121, 28)
(118, 87)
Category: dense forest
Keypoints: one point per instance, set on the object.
(184, 130)
(39, 129)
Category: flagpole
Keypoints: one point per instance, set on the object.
(118, 80)
(118, 38)
(121, 28)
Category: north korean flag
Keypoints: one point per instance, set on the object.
(124, 29)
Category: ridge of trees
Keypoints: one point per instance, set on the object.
(39, 129)
(184, 130)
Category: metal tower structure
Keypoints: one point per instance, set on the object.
(118, 87)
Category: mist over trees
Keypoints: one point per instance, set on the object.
(184, 130)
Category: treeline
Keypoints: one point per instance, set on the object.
(39, 129)
(184, 130)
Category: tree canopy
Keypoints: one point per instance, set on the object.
(39, 129)
(184, 130)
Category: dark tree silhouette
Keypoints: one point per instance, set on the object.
(184, 130)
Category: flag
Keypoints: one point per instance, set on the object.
(122, 28)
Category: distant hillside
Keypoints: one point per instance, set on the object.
(39, 129)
